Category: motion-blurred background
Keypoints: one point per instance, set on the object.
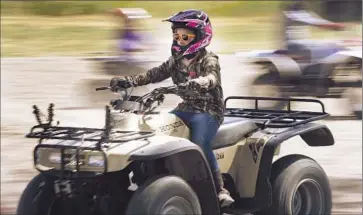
(59, 51)
(39, 28)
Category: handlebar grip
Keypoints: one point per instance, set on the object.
(181, 85)
(102, 88)
(203, 90)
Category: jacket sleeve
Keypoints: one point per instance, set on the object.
(211, 76)
(154, 75)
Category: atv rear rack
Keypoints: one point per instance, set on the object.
(275, 118)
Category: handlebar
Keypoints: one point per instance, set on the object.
(180, 90)
(157, 95)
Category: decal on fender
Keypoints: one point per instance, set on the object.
(220, 156)
(255, 145)
(171, 126)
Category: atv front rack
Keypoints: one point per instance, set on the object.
(86, 134)
(98, 135)
(275, 118)
(78, 139)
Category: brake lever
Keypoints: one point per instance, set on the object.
(148, 103)
(102, 88)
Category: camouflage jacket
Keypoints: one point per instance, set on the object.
(205, 68)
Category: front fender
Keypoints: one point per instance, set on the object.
(186, 160)
(284, 65)
(163, 146)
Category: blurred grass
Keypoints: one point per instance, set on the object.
(61, 30)
(39, 27)
(77, 35)
(214, 8)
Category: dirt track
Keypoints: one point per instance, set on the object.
(25, 82)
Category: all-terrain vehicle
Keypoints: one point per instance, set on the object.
(306, 67)
(338, 75)
(142, 162)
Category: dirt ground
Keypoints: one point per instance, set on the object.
(69, 83)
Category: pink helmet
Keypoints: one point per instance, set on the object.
(197, 21)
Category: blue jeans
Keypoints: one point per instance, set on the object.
(203, 128)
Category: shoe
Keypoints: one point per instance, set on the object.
(224, 196)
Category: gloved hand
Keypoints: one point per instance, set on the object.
(198, 84)
(119, 82)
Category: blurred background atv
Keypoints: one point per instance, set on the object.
(309, 67)
(335, 76)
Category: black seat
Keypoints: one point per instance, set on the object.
(232, 130)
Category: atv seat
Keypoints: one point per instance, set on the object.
(232, 130)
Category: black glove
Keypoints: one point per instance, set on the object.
(197, 85)
(117, 83)
(193, 85)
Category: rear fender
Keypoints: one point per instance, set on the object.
(343, 57)
(266, 143)
(284, 65)
(186, 160)
(352, 53)
(253, 54)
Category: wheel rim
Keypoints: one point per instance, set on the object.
(297, 202)
(176, 205)
(354, 95)
(308, 198)
(266, 90)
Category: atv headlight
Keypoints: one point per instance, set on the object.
(96, 161)
(55, 157)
